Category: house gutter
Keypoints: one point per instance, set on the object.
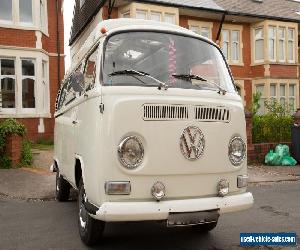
(220, 27)
(58, 43)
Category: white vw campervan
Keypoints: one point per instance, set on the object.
(149, 126)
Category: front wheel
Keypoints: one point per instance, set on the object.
(90, 230)
(204, 228)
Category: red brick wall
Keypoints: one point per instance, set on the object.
(18, 38)
(284, 71)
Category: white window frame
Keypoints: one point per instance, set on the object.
(232, 46)
(200, 25)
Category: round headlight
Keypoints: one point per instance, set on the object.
(237, 151)
(131, 152)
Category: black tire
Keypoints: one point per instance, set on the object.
(90, 230)
(62, 188)
(205, 228)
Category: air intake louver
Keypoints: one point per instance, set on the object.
(209, 114)
(157, 112)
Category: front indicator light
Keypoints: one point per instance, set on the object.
(223, 187)
(242, 181)
(117, 187)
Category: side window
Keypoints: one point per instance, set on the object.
(66, 93)
(90, 70)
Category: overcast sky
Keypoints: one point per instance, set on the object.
(68, 16)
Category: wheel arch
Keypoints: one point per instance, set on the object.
(79, 170)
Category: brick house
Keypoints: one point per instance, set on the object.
(31, 62)
(258, 37)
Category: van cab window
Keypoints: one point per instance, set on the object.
(170, 58)
(90, 70)
(67, 94)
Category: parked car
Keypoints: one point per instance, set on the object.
(149, 126)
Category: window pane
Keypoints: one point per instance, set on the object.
(156, 16)
(292, 90)
(291, 50)
(196, 29)
(259, 33)
(291, 34)
(260, 89)
(28, 67)
(281, 33)
(90, 70)
(272, 35)
(28, 98)
(25, 11)
(281, 50)
(259, 49)
(141, 14)
(292, 103)
(8, 93)
(282, 89)
(282, 100)
(7, 67)
(205, 32)
(225, 49)
(235, 36)
(225, 35)
(273, 90)
(169, 18)
(6, 10)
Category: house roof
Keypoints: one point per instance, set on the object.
(273, 9)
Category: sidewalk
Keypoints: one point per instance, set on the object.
(38, 183)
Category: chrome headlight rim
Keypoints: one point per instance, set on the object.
(232, 160)
(120, 151)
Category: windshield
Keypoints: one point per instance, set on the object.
(164, 56)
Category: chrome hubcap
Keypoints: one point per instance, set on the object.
(82, 213)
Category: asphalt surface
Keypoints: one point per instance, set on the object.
(53, 225)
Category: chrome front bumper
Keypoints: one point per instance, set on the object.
(142, 211)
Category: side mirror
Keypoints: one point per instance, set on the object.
(76, 81)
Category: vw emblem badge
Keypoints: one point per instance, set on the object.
(192, 143)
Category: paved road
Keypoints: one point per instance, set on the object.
(52, 225)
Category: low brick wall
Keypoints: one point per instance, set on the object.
(13, 149)
(259, 151)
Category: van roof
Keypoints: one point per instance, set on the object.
(121, 24)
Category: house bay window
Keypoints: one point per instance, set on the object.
(24, 85)
(8, 79)
(281, 91)
(275, 42)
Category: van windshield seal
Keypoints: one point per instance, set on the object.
(163, 55)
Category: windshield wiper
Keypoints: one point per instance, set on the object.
(200, 78)
(133, 72)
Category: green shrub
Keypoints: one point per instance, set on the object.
(275, 125)
(26, 154)
(5, 162)
(12, 127)
(46, 142)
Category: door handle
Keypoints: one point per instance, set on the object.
(75, 122)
